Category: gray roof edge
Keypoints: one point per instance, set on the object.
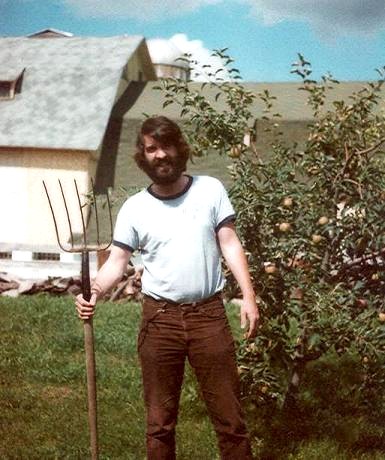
(88, 149)
(137, 37)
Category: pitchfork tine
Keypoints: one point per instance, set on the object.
(82, 216)
(111, 224)
(96, 213)
(68, 214)
(54, 219)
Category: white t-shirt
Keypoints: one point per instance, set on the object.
(176, 237)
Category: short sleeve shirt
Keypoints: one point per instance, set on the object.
(176, 237)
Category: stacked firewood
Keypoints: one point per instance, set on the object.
(128, 288)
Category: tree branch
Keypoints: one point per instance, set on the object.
(360, 260)
(371, 149)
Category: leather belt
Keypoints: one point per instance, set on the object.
(216, 296)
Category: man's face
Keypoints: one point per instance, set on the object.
(161, 162)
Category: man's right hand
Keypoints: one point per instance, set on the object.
(108, 276)
(85, 309)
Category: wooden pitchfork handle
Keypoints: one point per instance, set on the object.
(90, 360)
(86, 288)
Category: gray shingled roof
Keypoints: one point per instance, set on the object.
(69, 88)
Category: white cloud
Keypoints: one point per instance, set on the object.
(138, 9)
(202, 55)
(328, 17)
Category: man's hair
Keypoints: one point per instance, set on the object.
(164, 131)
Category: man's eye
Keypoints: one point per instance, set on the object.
(151, 149)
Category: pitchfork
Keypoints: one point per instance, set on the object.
(84, 249)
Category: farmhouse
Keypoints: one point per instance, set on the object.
(60, 101)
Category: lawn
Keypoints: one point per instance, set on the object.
(43, 395)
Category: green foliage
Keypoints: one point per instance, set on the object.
(205, 127)
(311, 219)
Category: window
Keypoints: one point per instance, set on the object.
(5, 255)
(6, 90)
(10, 86)
(46, 256)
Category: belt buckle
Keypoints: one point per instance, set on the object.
(189, 304)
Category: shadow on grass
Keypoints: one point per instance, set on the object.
(336, 416)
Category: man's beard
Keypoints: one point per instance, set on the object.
(165, 171)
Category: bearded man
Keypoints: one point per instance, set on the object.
(182, 225)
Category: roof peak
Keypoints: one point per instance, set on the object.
(50, 32)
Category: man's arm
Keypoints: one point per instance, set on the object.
(236, 260)
(107, 277)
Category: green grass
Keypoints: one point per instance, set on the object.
(43, 412)
(43, 389)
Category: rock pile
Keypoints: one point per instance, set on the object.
(127, 289)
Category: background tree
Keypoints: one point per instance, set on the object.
(311, 218)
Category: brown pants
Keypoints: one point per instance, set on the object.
(169, 333)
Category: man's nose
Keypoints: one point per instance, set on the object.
(160, 153)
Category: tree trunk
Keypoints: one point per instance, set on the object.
(291, 396)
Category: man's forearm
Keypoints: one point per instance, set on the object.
(237, 262)
(110, 273)
(105, 280)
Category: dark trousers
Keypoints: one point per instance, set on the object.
(169, 334)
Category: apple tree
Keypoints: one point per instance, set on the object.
(311, 218)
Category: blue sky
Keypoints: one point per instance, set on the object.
(345, 37)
